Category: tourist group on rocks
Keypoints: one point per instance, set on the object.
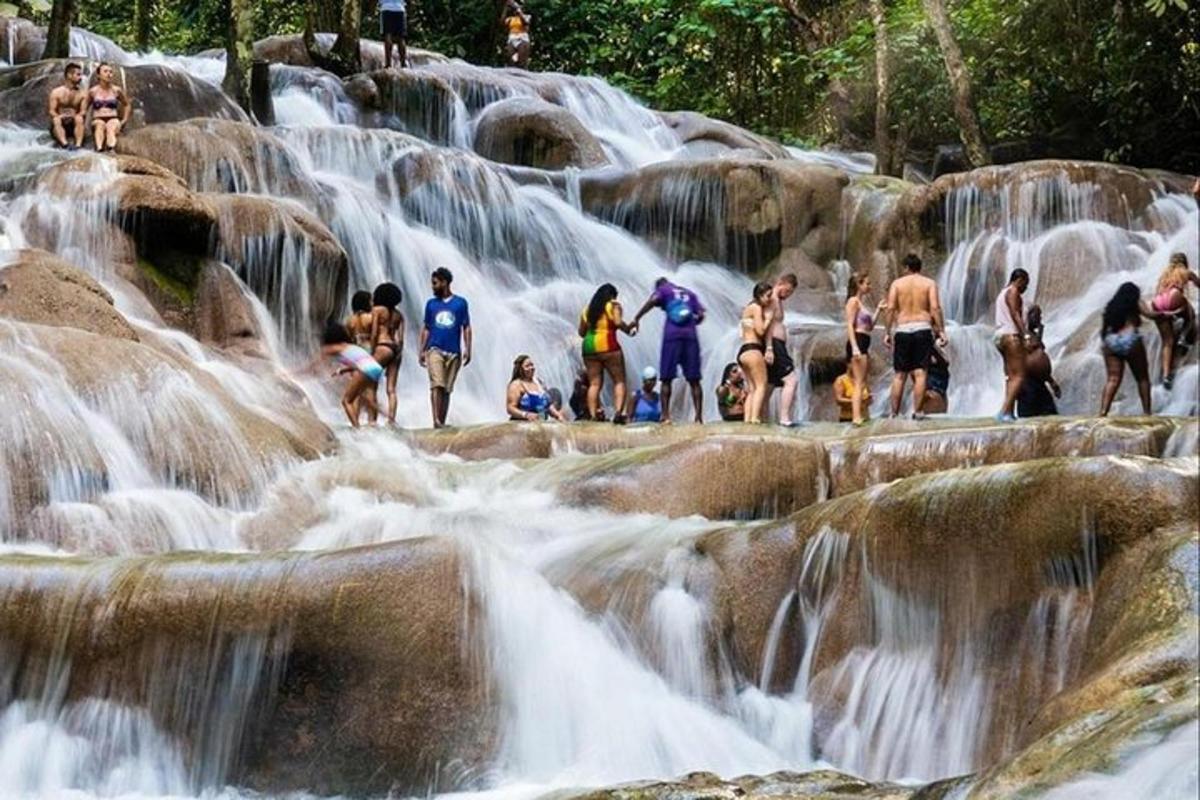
(370, 344)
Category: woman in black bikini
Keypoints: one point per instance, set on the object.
(756, 322)
(387, 338)
(110, 108)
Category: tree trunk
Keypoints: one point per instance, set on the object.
(883, 145)
(58, 36)
(345, 53)
(969, 129)
(143, 16)
(239, 50)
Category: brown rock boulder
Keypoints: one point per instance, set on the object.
(414, 101)
(351, 667)
(214, 155)
(276, 244)
(187, 429)
(706, 137)
(934, 545)
(41, 288)
(290, 49)
(530, 132)
(23, 42)
(728, 477)
(151, 203)
(744, 213)
(1032, 190)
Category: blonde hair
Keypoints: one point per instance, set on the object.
(1175, 276)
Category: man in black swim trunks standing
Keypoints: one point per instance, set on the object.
(781, 369)
(393, 24)
(915, 311)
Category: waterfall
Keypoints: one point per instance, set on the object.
(170, 473)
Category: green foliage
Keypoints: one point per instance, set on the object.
(1112, 79)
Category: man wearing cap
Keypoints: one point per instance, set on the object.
(680, 344)
(646, 405)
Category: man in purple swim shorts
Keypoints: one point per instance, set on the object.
(680, 345)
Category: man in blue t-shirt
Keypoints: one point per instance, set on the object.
(445, 342)
(680, 344)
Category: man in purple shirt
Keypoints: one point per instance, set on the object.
(680, 345)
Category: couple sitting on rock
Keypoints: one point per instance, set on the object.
(69, 107)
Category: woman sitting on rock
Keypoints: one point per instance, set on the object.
(109, 106)
(646, 403)
(731, 394)
(528, 400)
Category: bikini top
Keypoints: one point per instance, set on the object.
(863, 320)
(533, 402)
(98, 103)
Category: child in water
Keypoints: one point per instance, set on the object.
(336, 343)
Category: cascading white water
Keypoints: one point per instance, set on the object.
(586, 696)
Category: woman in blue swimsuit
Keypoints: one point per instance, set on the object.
(528, 400)
(645, 405)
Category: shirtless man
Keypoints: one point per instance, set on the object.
(66, 109)
(915, 311)
(781, 369)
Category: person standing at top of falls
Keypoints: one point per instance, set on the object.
(680, 342)
(336, 343)
(598, 325)
(1038, 389)
(516, 25)
(1122, 344)
(393, 25)
(755, 328)
(1177, 323)
(110, 107)
(781, 369)
(859, 324)
(1010, 339)
(446, 340)
(66, 108)
(914, 310)
(387, 338)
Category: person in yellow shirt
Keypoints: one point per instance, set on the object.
(843, 394)
(516, 25)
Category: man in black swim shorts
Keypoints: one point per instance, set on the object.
(914, 310)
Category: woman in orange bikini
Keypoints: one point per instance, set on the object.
(516, 23)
